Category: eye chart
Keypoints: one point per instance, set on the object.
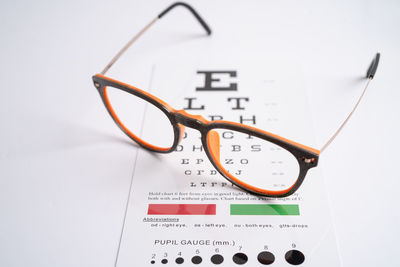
(182, 212)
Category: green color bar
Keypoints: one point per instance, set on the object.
(265, 209)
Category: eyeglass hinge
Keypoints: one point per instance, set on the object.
(308, 161)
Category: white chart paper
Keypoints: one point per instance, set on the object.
(269, 96)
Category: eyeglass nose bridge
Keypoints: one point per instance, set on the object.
(189, 120)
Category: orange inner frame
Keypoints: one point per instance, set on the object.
(212, 137)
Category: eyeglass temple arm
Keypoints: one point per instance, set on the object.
(137, 36)
(370, 75)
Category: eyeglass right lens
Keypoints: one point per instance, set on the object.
(253, 162)
(140, 119)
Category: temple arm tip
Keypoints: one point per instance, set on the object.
(373, 66)
(191, 9)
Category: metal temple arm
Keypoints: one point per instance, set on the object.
(137, 36)
(370, 75)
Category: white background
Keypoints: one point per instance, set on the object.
(65, 168)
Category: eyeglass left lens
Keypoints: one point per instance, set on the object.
(252, 162)
(140, 119)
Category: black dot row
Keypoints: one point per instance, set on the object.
(293, 257)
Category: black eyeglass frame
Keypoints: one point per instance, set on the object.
(306, 157)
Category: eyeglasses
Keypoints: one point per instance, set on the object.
(285, 162)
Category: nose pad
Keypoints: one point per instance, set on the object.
(214, 145)
(181, 132)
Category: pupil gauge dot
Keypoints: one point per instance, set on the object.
(294, 257)
(240, 258)
(179, 260)
(266, 258)
(197, 260)
(217, 259)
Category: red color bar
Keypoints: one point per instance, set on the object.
(182, 209)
